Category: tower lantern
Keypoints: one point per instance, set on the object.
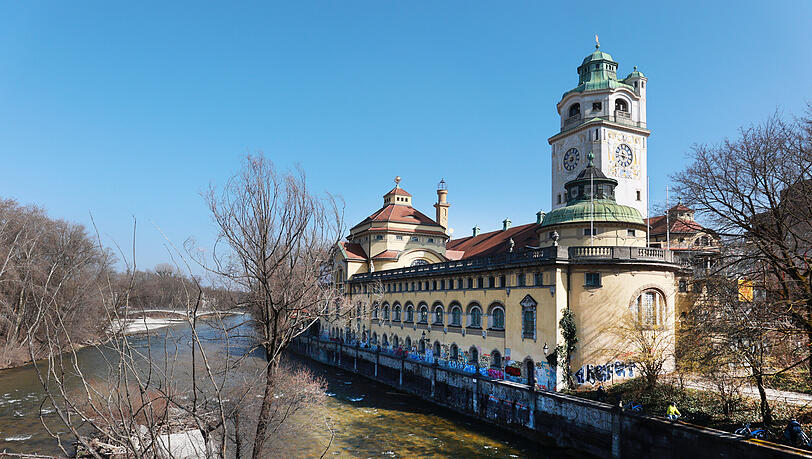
(442, 205)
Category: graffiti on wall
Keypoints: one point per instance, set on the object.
(604, 373)
(545, 376)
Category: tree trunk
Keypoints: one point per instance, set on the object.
(265, 410)
(764, 407)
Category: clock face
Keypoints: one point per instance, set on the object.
(571, 159)
(624, 155)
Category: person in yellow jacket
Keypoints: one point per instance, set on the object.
(672, 412)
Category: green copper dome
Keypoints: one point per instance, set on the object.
(605, 211)
(597, 71)
(591, 197)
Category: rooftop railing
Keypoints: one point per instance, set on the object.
(527, 257)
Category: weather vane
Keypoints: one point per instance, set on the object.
(597, 43)
(397, 181)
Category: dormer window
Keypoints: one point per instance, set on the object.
(575, 110)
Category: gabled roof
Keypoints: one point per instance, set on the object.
(494, 242)
(399, 214)
(657, 226)
(353, 251)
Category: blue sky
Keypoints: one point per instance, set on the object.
(131, 109)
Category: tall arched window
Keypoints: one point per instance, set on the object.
(649, 308)
(496, 359)
(454, 352)
(384, 340)
(375, 311)
(438, 315)
(395, 341)
(408, 343)
(421, 346)
(475, 317)
(409, 313)
(473, 355)
(385, 312)
(374, 338)
(575, 110)
(424, 314)
(456, 316)
(497, 317)
(436, 350)
(397, 313)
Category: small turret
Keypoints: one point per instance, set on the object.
(442, 205)
(506, 224)
(476, 231)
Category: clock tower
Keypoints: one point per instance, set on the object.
(605, 116)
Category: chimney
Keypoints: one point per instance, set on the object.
(442, 205)
(506, 224)
(540, 217)
(476, 231)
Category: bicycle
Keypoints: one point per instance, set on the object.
(751, 433)
(634, 407)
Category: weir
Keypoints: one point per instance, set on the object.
(592, 427)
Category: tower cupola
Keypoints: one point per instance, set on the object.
(397, 196)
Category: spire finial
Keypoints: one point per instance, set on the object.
(397, 182)
(590, 157)
(597, 43)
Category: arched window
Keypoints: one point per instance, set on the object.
(621, 105)
(420, 262)
(424, 314)
(575, 110)
(408, 342)
(409, 313)
(454, 352)
(497, 317)
(496, 359)
(421, 346)
(649, 308)
(473, 355)
(374, 338)
(436, 349)
(397, 313)
(375, 311)
(438, 315)
(475, 317)
(364, 336)
(385, 312)
(530, 371)
(384, 340)
(456, 316)
(395, 341)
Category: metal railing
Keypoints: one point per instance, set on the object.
(528, 257)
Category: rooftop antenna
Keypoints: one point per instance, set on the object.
(591, 195)
(667, 222)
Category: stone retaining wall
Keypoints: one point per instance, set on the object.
(592, 427)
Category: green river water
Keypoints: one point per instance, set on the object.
(368, 419)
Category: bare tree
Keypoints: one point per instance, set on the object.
(277, 243)
(648, 346)
(756, 192)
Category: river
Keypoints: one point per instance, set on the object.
(368, 419)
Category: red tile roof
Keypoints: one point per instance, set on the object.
(387, 255)
(495, 242)
(657, 226)
(354, 251)
(681, 207)
(398, 191)
(399, 214)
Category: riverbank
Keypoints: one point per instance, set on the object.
(20, 356)
(593, 428)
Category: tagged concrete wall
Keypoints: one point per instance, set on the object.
(591, 427)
